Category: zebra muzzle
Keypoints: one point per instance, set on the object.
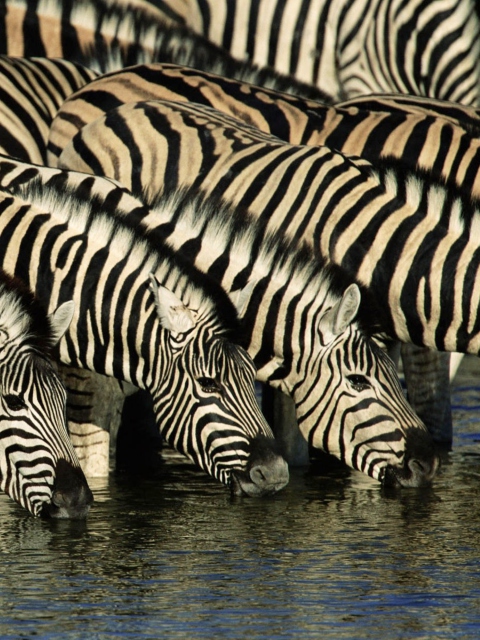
(420, 464)
(266, 471)
(71, 496)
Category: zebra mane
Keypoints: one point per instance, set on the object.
(270, 255)
(95, 215)
(22, 316)
(450, 205)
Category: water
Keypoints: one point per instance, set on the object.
(332, 556)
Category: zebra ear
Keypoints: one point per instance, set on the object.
(342, 314)
(174, 315)
(60, 320)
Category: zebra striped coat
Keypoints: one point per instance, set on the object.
(438, 136)
(31, 92)
(306, 340)
(38, 466)
(173, 339)
(352, 47)
(311, 194)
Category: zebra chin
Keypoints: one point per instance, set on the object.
(266, 471)
(420, 465)
(71, 495)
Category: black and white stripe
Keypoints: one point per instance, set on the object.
(31, 92)
(423, 133)
(38, 466)
(311, 194)
(145, 317)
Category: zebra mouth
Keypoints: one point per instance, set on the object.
(414, 473)
(255, 484)
(71, 496)
(266, 471)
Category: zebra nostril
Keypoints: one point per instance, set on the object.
(258, 476)
(59, 499)
(424, 470)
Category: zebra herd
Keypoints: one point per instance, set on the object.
(186, 205)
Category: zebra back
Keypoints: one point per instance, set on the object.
(38, 466)
(433, 135)
(411, 227)
(31, 92)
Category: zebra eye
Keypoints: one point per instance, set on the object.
(358, 382)
(14, 403)
(209, 385)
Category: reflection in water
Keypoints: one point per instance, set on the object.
(331, 556)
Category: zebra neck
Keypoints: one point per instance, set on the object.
(62, 255)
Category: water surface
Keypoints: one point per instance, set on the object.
(331, 556)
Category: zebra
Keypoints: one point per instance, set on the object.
(311, 194)
(38, 466)
(438, 135)
(352, 47)
(339, 380)
(145, 317)
(105, 36)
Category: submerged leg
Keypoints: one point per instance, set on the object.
(427, 376)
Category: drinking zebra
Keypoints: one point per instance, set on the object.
(38, 466)
(145, 317)
(300, 322)
(311, 194)
(435, 135)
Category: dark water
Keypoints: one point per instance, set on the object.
(332, 556)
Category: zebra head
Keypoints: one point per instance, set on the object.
(356, 409)
(206, 403)
(38, 465)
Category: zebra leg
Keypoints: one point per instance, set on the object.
(109, 420)
(279, 410)
(94, 406)
(139, 441)
(427, 376)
